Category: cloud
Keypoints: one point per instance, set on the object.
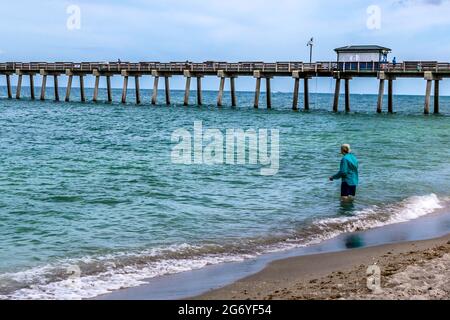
(419, 2)
(417, 16)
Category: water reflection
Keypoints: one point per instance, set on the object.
(346, 208)
(354, 241)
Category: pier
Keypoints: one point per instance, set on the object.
(431, 72)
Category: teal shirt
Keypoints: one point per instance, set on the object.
(348, 171)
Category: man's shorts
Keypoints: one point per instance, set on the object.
(347, 190)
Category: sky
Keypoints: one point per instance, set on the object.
(232, 30)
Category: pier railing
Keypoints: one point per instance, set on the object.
(239, 67)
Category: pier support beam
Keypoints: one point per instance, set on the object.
(56, 87)
(125, 86)
(223, 76)
(108, 88)
(44, 84)
(155, 75)
(233, 92)
(221, 88)
(68, 88)
(382, 78)
(268, 94)
(199, 91)
(82, 93)
(391, 95)
(430, 77)
(347, 95)
(295, 98)
(32, 86)
(428, 97)
(167, 89)
(187, 89)
(96, 85)
(380, 96)
(337, 92)
(306, 94)
(69, 85)
(124, 89)
(8, 85)
(436, 96)
(19, 84)
(257, 92)
(137, 89)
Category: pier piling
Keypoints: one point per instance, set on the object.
(306, 94)
(257, 92)
(221, 88)
(233, 92)
(108, 88)
(268, 94)
(428, 97)
(380, 96)
(32, 86)
(430, 77)
(390, 95)
(137, 89)
(295, 97)
(436, 96)
(55, 87)
(19, 85)
(44, 84)
(187, 90)
(199, 91)
(82, 93)
(8, 85)
(382, 77)
(167, 89)
(125, 87)
(69, 85)
(96, 85)
(347, 95)
(155, 88)
(337, 92)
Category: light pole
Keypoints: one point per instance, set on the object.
(310, 45)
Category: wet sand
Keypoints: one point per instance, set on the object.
(409, 270)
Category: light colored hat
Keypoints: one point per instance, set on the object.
(346, 148)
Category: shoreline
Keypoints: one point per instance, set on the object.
(409, 270)
(224, 281)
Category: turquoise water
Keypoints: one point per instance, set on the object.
(93, 185)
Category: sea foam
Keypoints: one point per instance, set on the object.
(129, 269)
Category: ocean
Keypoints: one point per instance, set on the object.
(91, 200)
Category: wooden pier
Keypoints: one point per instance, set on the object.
(299, 71)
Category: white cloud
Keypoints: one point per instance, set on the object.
(416, 16)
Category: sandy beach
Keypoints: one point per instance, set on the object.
(410, 270)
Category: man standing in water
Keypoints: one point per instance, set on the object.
(348, 172)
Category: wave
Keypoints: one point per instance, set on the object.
(379, 216)
(89, 277)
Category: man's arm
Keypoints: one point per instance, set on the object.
(343, 170)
